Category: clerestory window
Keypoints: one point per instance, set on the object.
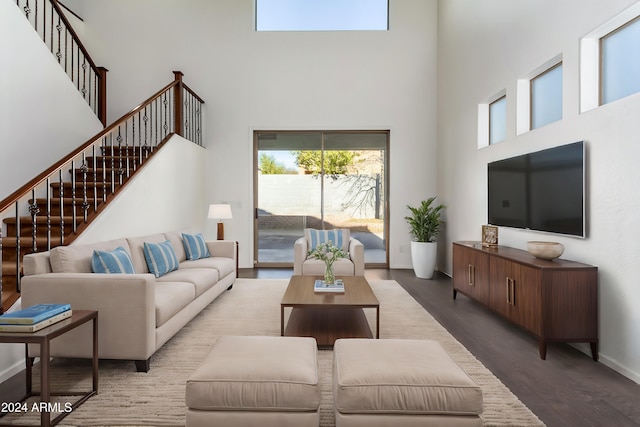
(321, 15)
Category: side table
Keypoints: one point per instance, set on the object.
(43, 337)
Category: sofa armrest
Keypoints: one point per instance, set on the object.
(125, 305)
(222, 248)
(356, 253)
(299, 255)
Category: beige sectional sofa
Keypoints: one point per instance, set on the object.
(138, 312)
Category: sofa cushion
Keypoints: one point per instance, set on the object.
(175, 237)
(195, 246)
(223, 265)
(201, 278)
(77, 258)
(116, 261)
(161, 258)
(171, 297)
(256, 373)
(339, 237)
(136, 249)
(400, 376)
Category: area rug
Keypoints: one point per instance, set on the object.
(252, 307)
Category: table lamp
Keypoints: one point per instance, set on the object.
(220, 212)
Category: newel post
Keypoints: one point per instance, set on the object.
(177, 99)
(102, 95)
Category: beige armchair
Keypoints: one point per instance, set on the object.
(351, 266)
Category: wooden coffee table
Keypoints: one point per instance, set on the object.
(327, 316)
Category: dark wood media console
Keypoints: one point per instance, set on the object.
(555, 300)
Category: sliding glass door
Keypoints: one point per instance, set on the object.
(320, 180)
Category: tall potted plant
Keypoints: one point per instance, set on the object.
(425, 224)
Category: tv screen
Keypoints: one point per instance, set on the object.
(542, 191)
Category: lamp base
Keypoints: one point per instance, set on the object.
(220, 231)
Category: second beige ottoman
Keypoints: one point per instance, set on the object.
(256, 381)
(401, 382)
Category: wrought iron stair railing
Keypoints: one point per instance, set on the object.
(53, 208)
(51, 24)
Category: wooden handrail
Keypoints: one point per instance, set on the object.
(74, 35)
(25, 189)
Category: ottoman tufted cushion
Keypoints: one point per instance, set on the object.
(257, 374)
(401, 377)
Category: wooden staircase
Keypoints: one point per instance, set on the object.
(56, 206)
(77, 199)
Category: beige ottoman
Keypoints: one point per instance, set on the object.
(256, 381)
(401, 382)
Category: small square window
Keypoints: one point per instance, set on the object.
(498, 120)
(546, 97)
(620, 63)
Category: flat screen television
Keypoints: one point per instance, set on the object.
(543, 191)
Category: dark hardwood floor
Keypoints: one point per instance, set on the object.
(565, 390)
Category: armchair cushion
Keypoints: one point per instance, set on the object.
(339, 237)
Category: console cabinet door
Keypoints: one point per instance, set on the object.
(471, 273)
(500, 272)
(516, 293)
(525, 307)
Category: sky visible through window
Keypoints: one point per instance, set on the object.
(321, 15)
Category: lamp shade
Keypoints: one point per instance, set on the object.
(220, 211)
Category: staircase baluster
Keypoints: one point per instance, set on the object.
(95, 179)
(61, 207)
(155, 126)
(113, 165)
(165, 126)
(48, 196)
(120, 170)
(145, 118)
(59, 28)
(73, 195)
(34, 210)
(85, 204)
(18, 246)
(104, 168)
(50, 28)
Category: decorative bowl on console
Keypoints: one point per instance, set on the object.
(545, 250)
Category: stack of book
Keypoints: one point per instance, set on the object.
(34, 318)
(321, 286)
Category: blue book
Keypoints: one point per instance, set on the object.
(34, 314)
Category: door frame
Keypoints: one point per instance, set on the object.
(386, 180)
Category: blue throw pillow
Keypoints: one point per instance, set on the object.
(116, 261)
(195, 246)
(339, 237)
(160, 257)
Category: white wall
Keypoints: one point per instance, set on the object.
(40, 109)
(484, 47)
(166, 195)
(249, 80)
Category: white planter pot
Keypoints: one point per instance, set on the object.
(423, 257)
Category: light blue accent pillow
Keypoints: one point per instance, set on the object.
(116, 261)
(195, 246)
(339, 237)
(161, 258)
